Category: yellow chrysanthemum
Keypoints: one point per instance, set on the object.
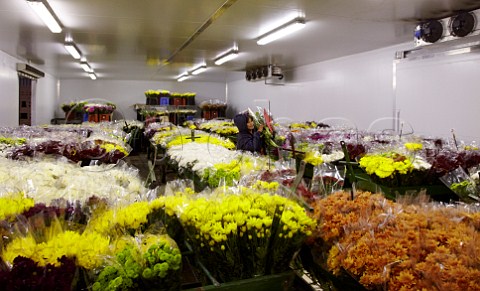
(12, 204)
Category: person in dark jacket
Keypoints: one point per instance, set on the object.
(248, 139)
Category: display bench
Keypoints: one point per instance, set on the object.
(280, 282)
(438, 192)
(175, 114)
(157, 162)
(195, 276)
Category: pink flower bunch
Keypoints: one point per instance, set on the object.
(100, 108)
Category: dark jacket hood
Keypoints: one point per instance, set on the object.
(240, 121)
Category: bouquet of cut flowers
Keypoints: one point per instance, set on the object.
(244, 235)
(387, 245)
(144, 262)
(462, 184)
(100, 108)
(327, 179)
(262, 117)
(395, 168)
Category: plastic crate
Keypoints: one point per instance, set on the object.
(177, 101)
(164, 100)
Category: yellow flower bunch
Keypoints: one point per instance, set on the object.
(297, 125)
(228, 225)
(313, 157)
(138, 216)
(171, 203)
(152, 92)
(386, 165)
(224, 130)
(202, 138)
(471, 148)
(413, 147)
(266, 186)
(12, 141)
(162, 135)
(121, 218)
(89, 248)
(15, 203)
(111, 147)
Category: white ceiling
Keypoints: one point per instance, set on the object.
(132, 40)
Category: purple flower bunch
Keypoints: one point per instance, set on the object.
(26, 274)
(100, 108)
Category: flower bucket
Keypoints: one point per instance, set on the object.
(164, 100)
(93, 117)
(104, 117)
(69, 116)
(177, 101)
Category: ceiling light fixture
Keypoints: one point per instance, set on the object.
(199, 69)
(45, 12)
(227, 56)
(281, 31)
(86, 67)
(92, 75)
(183, 77)
(72, 48)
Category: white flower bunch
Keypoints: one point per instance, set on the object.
(199, 156)
(47, 180)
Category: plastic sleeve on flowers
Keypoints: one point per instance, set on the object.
(49, 180)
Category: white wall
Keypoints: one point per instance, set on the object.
(357, 87)
(441, 93)
(433, 95)
(43, 98)
(8, 91)
(127, 93)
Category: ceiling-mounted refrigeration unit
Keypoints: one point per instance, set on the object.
(30, 71)
(453, 35)
(458, 26)
(271, 74)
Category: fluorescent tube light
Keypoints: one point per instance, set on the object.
(73, 50)
(86, 67)
(227, 56)
(41, 8)
(92, 75)
(199, 69)
(281, 31)
(459, 51)
(183, 77)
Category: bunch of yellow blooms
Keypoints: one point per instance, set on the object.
(111, 147)
(386, 165)
(89, 248)
(248, 234)
(313, 157)
(413, 146)
(134, 217)
(15, 203)
(202, 138)
(162, 135)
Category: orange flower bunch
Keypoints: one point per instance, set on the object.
(390, 246)
(338, 213)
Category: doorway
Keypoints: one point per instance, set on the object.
(25, 100)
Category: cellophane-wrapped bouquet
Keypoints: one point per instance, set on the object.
(403, 245)
(144, 262)
(245, 233)
(262, 117)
